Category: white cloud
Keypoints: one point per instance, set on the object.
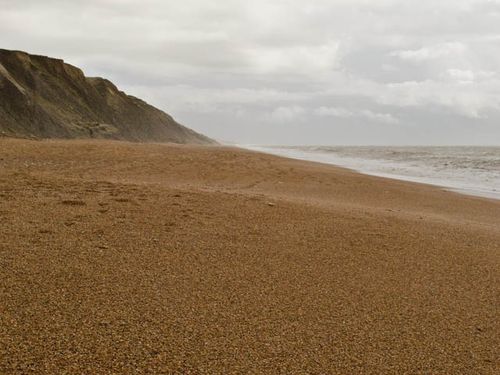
(296, 59)
(438, 51)
(287, 114)
(470, 102)
(333, 111)
(386, 118)
(461, 76)
(364, 114)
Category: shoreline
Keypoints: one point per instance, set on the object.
(420, 180)
(151, 258)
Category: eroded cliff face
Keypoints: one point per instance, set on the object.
(42, 97)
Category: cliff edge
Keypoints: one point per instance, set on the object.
(43, 97)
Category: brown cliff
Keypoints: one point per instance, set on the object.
(42, 97)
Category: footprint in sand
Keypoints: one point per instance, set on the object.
(73, 202)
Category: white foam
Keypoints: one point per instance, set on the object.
(469, 170)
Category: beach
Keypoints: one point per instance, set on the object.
(473, 170)
(119, 257)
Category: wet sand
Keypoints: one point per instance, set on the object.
(134, 258)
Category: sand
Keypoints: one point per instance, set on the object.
(132, 258)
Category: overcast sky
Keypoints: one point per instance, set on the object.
(287, 71)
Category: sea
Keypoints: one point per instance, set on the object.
(473, 170)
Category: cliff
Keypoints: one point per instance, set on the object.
(43, 97)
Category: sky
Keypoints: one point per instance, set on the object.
(290, 72)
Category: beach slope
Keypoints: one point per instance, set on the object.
(150, 258)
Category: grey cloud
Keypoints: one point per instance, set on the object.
(287, 71)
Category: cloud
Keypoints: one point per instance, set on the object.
(294, 60)
(333, 111)
(221, 66)
(461, 76)
(287, 114)
(471, 102)
(364, 114)
(444, 50)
